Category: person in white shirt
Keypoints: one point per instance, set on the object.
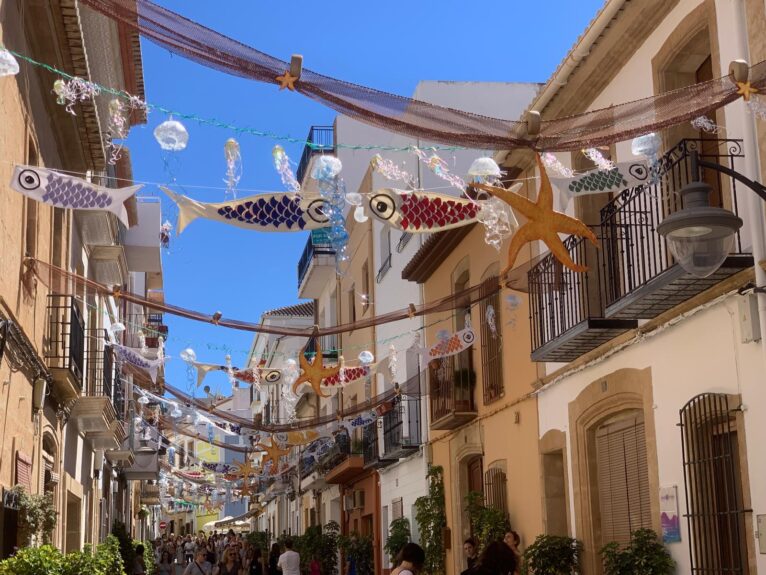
(290, 561)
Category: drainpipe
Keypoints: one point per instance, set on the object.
(755, 207)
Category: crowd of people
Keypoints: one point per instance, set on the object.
(221, 554)
(230, 554)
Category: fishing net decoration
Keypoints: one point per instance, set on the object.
(421, 119)
(62, 281)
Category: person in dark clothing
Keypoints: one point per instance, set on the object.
(469, 548)
(496, 559)
(256, 568)
(274, 559)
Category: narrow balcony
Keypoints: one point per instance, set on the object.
(452, 383)
(146, 464)
(64, 352)
(632, 276)
(321, 140)
(344, 462)
(317, 265)
(374, 457)
(94, 411)
(566, 307)
(642, 279)
(154, 329)
(327, 343)
(402, 434)
(142, 241)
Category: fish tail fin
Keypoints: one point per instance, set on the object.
(186, 212)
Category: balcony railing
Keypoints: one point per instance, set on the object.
(452, 381)
(322, 139)
(66, 336)
(632, 274)
(402, 428)
(328, 345)
(634, 254)
(315, 246)
(99, 365)
(148, 324)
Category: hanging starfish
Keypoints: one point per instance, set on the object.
(745, 89)
(287, 80)
(273, 453)
(314, 372)
(544, 223)
(245, 470)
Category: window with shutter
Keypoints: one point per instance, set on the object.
(24, 471)
(491, 344)
(397, 509)
(623, 479)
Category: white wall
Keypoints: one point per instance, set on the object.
(702, 353)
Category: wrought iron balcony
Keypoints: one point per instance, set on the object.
(402, 433)
(371, 447)
(344, 461)
(94, 411)
(632, 275)
(322, 140)
(328, 344)
(316, 266)
(65, 347)
(452, 383)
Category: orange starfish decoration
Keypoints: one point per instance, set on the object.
(287, 80)
(745, 89)
(245, 470)
(273, 453)
(544, 223)
(314, 372)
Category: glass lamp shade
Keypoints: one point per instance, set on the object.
(699, 236)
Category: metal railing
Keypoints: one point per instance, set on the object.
(148, 324)
(559, 298)
(309, 252)
(322, 139)
(99, 365)
(402, 426)
(452, 381)
(342, 449)
(328, 344)
(370, 445)
(633, 252)
(66, 335)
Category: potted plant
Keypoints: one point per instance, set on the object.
(488, 524)
(644, 555)
(431, 515)
(552, 555)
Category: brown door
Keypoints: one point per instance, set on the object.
(709, 146)
(475, 482)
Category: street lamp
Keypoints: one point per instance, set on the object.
(700, 236)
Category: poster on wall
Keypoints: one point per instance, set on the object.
(671, 526)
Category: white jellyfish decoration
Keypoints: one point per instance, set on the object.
(188, 355)
(326, 168)
(366, 357)
(484, 168)
(171, 135)
(117, 327)
(143, 400)
(9, 66)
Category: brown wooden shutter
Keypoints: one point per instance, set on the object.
(24, 471)
(623, 479)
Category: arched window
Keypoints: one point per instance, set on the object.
(495, 492)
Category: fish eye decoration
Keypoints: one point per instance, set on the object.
(9, 66)
(332, 188)
(233, 167)
(74, 91)
(285, 171)
(171, 135)
(498, 220)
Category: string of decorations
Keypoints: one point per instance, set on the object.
(171, 131)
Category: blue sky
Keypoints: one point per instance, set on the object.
(387, 45)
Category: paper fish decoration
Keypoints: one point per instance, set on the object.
(422, 212)
(349, 374)
(621, 177)
(63, 191)
(136, 359)
(245, 375)
(451, 345)
(281, 212)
